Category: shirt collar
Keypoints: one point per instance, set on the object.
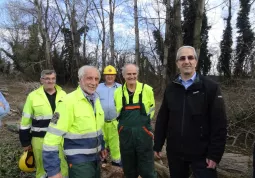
(191, 79)
(89, 97)
(114, 85)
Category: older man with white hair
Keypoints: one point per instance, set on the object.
(135, 105)
(79, 119)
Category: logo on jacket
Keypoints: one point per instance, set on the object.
(55, 118)
(195, 92)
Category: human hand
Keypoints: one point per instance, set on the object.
(27, 148)
(211, 164)
(103, 154)
(157, 154)
(59, 175)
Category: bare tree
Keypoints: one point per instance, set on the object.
(167, 39)
(111, 19)
(177, 24)
(43, 27)
(71, 15)
(198, 24)
(137, 46)
(103, 36)
(87, 6)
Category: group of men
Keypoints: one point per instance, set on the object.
(70, 134)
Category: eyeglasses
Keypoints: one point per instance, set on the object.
(49, 79)
(183, 58)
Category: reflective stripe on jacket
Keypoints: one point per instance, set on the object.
(81, 129)
(37, 113)
(148, 98)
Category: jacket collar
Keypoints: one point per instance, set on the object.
(138, 88)
(197, 84)
(41, 89)
(82, 95)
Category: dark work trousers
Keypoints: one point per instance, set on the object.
(180, 169)
(85, 170)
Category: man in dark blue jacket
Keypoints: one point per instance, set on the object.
(192, 119)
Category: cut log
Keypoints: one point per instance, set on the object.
(234, 165)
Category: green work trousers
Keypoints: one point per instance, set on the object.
(85, 170)
(136, 142)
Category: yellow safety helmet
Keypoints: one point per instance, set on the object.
(27, 162)
(110, 70)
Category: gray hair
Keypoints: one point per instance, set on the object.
(189, 47)
(47, 72)
(125, 66)
(82, 71)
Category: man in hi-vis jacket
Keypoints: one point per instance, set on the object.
(79, 119)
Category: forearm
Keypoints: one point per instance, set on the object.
(51, 159)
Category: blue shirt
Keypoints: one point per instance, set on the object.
(3, 110)
(189, 82)
(106, 95)
(91, 99)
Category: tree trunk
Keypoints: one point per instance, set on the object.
(74, 32)
(42, 23)
(112, 9)
(137, 53)
(104, 33)
(102, 37)
(198, 24)
(167, 40)
(177, 24)
(175, 39)
(85, 30)
(75, 38)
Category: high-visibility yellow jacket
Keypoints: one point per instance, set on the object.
(147, 99)
(80, 124)
(37, 113)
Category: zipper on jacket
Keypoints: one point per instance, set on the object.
(183, 112)
(97, 145)
(183, 120)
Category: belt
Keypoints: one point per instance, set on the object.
(108, 121)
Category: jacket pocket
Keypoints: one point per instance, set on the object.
(196, 103)
(204, 132)
(148, 132)
(120, 129)
(39, 109)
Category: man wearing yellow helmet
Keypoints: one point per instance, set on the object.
(106, 94)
